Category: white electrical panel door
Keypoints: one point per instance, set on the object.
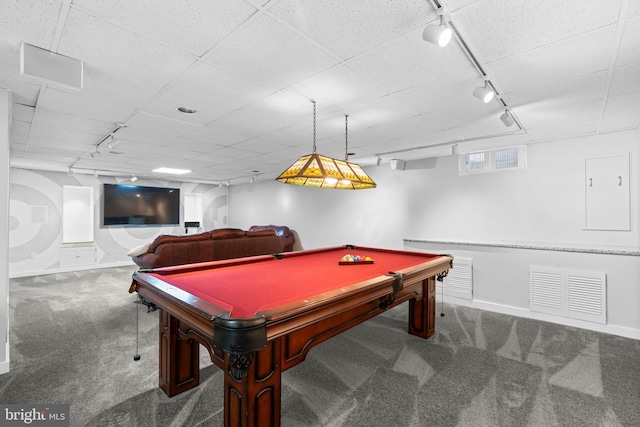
(607, 195)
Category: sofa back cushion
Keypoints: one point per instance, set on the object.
(166, 238)
(226, 233)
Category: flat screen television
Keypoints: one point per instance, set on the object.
(137, 205)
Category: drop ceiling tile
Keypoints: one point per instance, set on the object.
(260, 146)
(49, 145)
(634, 9)
(561, 92)
(16, 150)
(443, 93)
(453, 5)
(210, 84)
(625, 103)
(408, 127)
(523, 26)
(386, 109)
(195, 145)
(218, 134)
(629, 52)
(348, 28)
(127, 55)
(489, 128)
(22, 113)
(270, 53)
(174, 23)
(463, 114)
(175, 153)
(234, 153)
(53, 100)
(21, 92)
(47, 156)
(409, 61)
(61, 121)
(267, 115)
(32, 21)
(625, 79)
(215, 159)
(64, 136)
(338, 88)
(559, 131)
(163, 128)
(537, 68)
(19, 130)
(613, 121)
(538, 116)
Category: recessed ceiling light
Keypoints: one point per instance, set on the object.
(187, 110)
(171, 171)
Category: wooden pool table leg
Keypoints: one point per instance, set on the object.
(179, 356)
(422, 312)
(255, 398)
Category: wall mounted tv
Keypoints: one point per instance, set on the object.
(137, 205)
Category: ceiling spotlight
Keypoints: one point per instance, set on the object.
(507, 118)
(113, 143)
(252, 180)
(483, 93)
(134, 178)
(96, 153)
(437, 34)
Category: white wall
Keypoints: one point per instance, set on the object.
(36, 247)
(543, 205)
(5, 120)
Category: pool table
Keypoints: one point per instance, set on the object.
(259, 316)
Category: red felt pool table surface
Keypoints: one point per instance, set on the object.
(260, 316)
(247, 288)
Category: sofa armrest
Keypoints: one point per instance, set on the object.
(282, 231)
(146, 260)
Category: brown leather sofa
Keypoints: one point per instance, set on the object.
(224, 243)
(282, 231)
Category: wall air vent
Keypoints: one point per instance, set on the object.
(569, 293)
(459, 281)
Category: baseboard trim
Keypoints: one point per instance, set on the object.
(521, 312)
(70, 269)
(4, 366)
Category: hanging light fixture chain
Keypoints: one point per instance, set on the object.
(346, 137)
(314, 125)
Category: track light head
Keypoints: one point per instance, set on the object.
(507, 118)
(483, 93)
(133, 178)
(437, 34)
(96, 153)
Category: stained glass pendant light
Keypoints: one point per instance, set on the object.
(315, 170)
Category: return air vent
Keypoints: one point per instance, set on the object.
(459, 281)
(568, 293)
(587, 296)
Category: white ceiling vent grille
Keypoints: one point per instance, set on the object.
(567, 293)
(459, 281)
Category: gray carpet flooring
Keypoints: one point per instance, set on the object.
(73, 337)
